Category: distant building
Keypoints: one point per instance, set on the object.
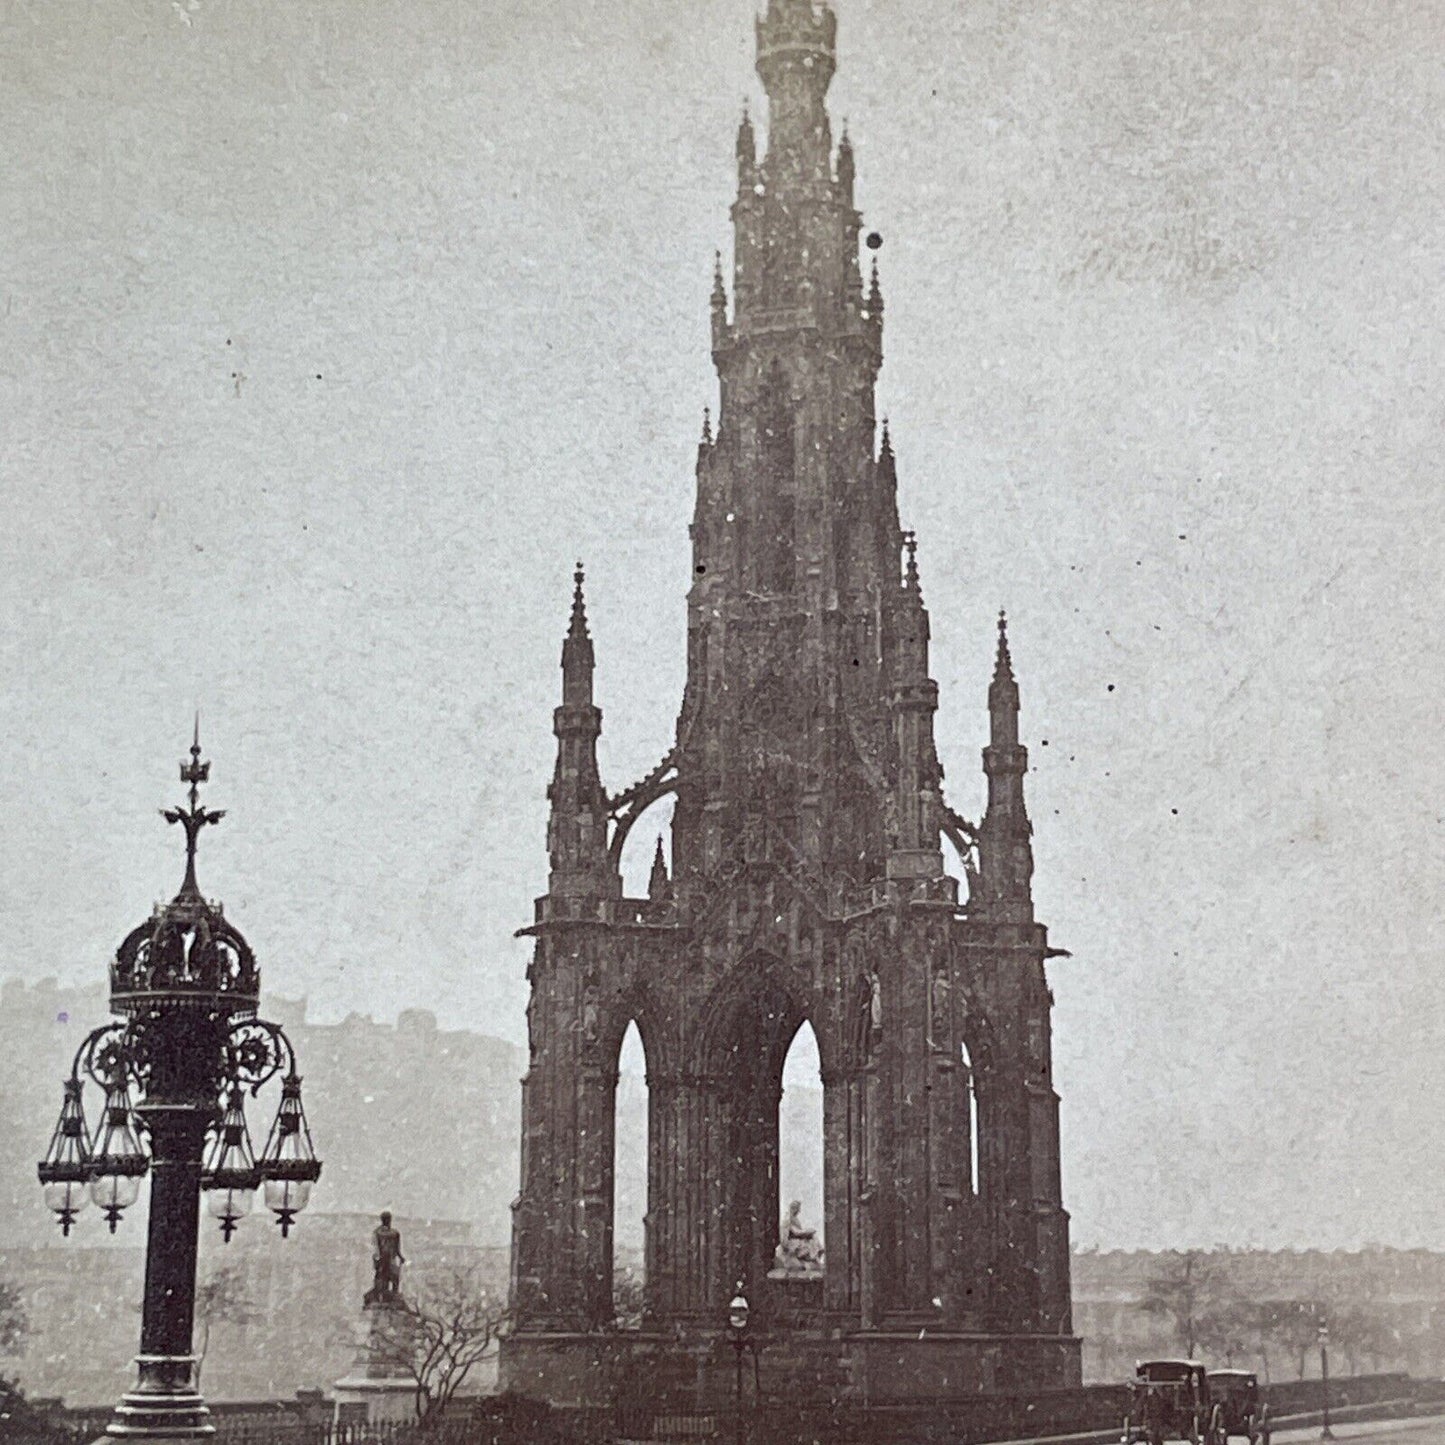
(1386, 1307)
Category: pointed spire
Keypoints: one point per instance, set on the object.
(846, 167)
(875, 293)
(577, 626)
(577, 656)
(1003, 693)
(719, 303)
(659, 884)
(1003, 668)
(707, 426)
(910, 568)
(887, 462)
(911, 643)
(747, 141)
(577, 828)
(1005, 856)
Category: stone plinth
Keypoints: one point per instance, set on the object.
(375, 1388)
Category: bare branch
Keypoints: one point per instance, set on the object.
(438, 1337)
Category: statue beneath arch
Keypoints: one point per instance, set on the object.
(799, 1254)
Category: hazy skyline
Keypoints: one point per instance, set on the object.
(330, 335)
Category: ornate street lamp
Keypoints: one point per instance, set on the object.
(174, 1073)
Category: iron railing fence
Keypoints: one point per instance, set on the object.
(659, 1416)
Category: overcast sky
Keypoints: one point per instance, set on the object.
(331, 332)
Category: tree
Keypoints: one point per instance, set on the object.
(19, 1420)
(14, 1323)
(1185, 1290)
(14, 1326)
(1363, 1331)
(1357, 1310)
(1295, 1326)
(1227, 1327)
(224, 1298)
(437, 1338)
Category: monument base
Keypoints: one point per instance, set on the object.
(376, 1389)
(696, 1369)
(361, 1401)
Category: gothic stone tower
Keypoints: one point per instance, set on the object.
(807, 883)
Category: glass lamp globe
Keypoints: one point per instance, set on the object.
(229, 1174)
(232, 1204)
(289, 1164)
(67, 1197)
(117, 1160)
(115, 1193)
(65, 1170)
(287, 1191)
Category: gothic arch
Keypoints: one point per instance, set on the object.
(758, 998)
(969, 1080)
(634, 1005)
(979, 1057)
(751, 1002)
(740, 1043)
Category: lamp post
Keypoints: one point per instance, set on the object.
(1325, 1432)
(738, 1311)
(174, 1072)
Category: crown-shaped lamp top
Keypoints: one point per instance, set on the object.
(187, 950)
(195, 817)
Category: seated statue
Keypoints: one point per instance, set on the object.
(799, 1254)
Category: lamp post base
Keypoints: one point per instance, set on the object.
(164, 1405)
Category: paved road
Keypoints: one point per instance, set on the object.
(1429, 1431)
(1373, 1432)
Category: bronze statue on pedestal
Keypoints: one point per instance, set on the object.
(386, 1262)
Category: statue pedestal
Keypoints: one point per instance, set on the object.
(377, 1386)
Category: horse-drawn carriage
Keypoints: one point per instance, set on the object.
(1171, 1400)
(1242, 1411)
